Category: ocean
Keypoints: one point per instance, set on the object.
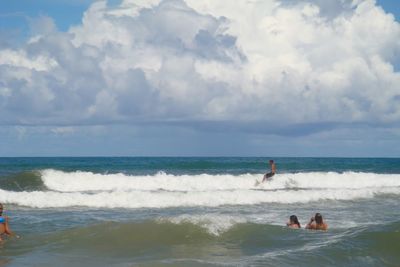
(199, 211)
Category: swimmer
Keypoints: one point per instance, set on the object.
(4, 226)
(293, 222)
(317, 223)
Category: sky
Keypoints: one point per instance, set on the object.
(273, 78)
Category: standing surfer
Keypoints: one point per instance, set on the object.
(272, 172)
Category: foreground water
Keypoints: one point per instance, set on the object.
(199, 211)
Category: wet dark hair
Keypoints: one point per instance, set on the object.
(271, 161)
(294, 220)
(318, 218)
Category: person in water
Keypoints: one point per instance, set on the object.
(4, 226)
(317, 223)
(271, 173)
(293, 222)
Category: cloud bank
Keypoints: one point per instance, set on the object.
(171, 61)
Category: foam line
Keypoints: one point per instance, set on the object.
(87, 181)
(164, 199)
(86, 189)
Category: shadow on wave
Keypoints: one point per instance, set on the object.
(23, 181)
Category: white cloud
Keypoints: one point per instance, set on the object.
(20, 59)
(176, 60)
(63, 130)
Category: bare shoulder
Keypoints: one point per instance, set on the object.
(311, 226)
(323, 227)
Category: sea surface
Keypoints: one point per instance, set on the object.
(199, 211)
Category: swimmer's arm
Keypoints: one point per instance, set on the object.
(311, 224)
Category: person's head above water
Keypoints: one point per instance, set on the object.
(317, 223)
(271, 161)
(318, 218)
(293, 220)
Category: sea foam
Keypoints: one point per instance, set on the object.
(214, 224)
(87, 181)
(86, 189)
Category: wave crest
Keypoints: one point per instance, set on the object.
(87, 181)
(86, 189)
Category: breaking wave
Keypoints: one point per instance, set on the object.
(87, 189)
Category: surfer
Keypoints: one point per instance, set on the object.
(317, 223)
(4, 227)
(271, 173)
(293, 222)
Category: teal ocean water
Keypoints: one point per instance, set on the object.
(199, 212)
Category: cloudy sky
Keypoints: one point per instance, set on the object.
(200, 78)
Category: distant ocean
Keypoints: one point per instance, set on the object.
(199, 211)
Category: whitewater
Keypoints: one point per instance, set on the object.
(163, 190)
